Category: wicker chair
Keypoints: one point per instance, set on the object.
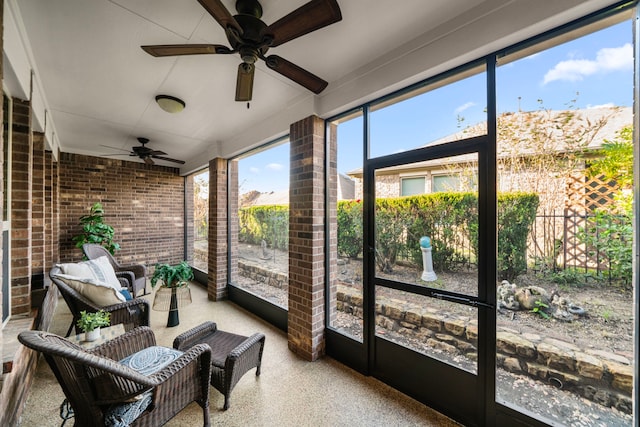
(131, 313)
(136, 274)
(232, 355)
(97, 386)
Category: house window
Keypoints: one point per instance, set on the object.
(445, 183)
(412, 186)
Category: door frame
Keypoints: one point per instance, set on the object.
(382, 354)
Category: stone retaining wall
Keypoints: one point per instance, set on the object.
(600, 376)
(262, 274)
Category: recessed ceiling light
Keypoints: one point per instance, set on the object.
(170, 104)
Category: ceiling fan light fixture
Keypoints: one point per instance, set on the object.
(170, 104)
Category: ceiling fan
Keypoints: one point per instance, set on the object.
(146, 153)
(252, 38)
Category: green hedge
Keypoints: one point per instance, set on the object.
(449, 218)
(516, 214)
(269, 223)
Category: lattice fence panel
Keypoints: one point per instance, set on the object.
(588, 194)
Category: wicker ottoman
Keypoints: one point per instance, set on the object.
(232, 355)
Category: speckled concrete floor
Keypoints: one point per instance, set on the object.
(289, 391)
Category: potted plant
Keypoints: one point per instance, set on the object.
(94, 230)
(90, 323)
(174, 289)
(172, 276)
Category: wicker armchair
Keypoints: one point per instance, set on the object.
(100, 389)
(131, 313)
(136, 274)
(232, 355)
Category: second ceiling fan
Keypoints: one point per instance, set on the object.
(252, 38)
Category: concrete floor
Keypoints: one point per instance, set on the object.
(289, 391)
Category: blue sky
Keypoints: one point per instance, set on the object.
(594, 70)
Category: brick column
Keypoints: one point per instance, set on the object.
(2, 165)
(21, 167)
(332, 206)
(234, 220)
(218, 227)
(37, 212)
(306, 238)
(52, 228)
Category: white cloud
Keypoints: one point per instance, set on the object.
(607, 105)
(607, 60)
(463, 107)
(274, 166)
(254, 170)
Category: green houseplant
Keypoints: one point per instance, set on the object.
(172, 276)
(94, 230)
(174, 289)
(90, 323)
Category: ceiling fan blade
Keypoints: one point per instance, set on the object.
(244, 82)
(169, 159)
(148, 160)
(299, 75)
(307, 18)
(221, 14)
(115, 148)
(185, 49)
(157, 153)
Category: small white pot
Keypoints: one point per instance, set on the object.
(92, 335)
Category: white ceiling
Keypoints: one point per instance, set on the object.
(94, 86)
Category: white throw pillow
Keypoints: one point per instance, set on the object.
(77, 269)
(103, 271)
(99, 269)
(100, 293)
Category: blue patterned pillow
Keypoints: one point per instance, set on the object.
(147, 362)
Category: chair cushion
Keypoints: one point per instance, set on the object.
(100, 293)
(99, 269)
(147, 362)
(151, 359)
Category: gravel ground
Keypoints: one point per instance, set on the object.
(549, 402)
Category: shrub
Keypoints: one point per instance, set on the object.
(349, 219)
(269, 223)
(609, 234)
(516, 213)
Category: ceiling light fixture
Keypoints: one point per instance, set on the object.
(170, 104)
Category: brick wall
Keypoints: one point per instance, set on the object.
(217, 258)
(306, 238)
(21, 221)
(52, 252)
(143, 203)
(37, 212)
(2, 166)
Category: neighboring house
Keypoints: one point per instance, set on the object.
(346, 191)
(567, 139)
